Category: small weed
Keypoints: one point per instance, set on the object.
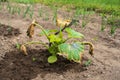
(40, 12)
(103, 22)
(31, 13)
(17, 45)
(13, 10)
(103, 28)
(18, 11)
(9, 8)
(77, 13)
(34, 59)
(113, 29)
(87, 63)
(95, 39)
(113, 20)
(84, 23)
(9, 29)
(114, 23)
(0, 7)
(55, 15)
(26, 11)
(46, 17)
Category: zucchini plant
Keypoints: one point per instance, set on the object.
(58, 44)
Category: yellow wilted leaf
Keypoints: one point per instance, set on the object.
(23, 49)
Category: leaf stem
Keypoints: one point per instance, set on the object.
(67, 39)
(33, 42)
(42, 30)
(91, 47)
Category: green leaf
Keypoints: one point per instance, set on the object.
(87, 63)
(72, 51)
(54, 38)
(33, 59)
(18, 46)
(53, 49)
(52, 59)
(73, 34)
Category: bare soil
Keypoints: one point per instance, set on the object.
(16, 66)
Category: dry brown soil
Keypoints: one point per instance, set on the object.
(16, 66)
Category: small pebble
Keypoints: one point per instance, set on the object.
(61, 77)
(86, 76)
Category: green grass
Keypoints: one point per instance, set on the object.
(24, 1)
(101, 6)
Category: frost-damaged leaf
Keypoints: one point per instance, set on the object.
(30, 30)
(62, 23)
(52, 59)
(23, 49)
(72, 51)
(73, 34)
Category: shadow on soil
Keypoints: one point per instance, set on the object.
(8, 31)
(16, 66)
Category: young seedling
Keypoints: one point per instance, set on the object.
(55, 15)
(0, 7)
(26, 11)
(77, 13)
(103, 28)
(33, 59)
(40, 12)
(31, 14)
(18, 10)
(112, 31)
(103, 23)
(13, 10)
(84, 23)
(46, 17)
(57, 43)
(9, 8)
(17, 46)
(87, 63)
(76, 16)
(9, 29)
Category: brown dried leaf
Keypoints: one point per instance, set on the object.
(23, 49)
(30, 31)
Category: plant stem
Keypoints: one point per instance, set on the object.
(66, 39)
(42, 30)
